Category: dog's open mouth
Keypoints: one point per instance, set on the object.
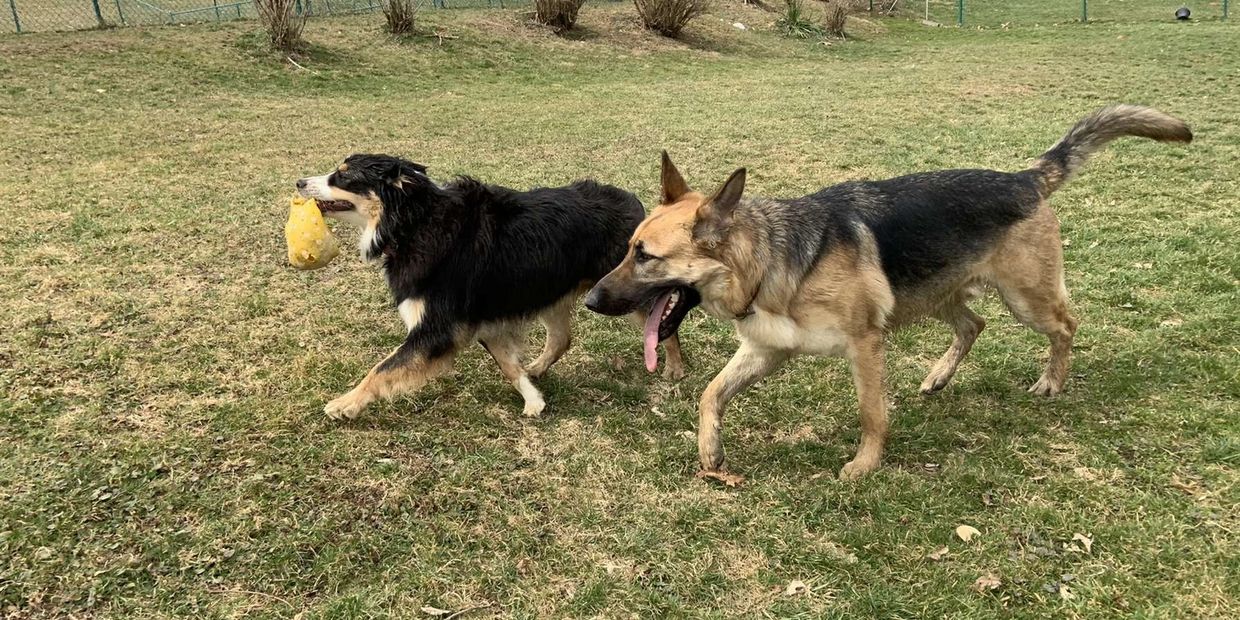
(332, 206)
(668, 311)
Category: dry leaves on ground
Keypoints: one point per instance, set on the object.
(987, 583)
(728, 478)
(967, 532)
(1086, 541)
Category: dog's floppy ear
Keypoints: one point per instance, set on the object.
(673, 185)
(390, 173)
(714, 216)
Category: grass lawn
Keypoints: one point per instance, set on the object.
(163, 371)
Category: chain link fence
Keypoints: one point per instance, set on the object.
(18, 16)
(1004, 13)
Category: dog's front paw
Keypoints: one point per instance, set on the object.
(534, 408)
(858, 468)
(673, 372)
(1046, 387)
(346, 407)
(710, 452)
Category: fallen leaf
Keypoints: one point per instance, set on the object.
(937, 555)
(842, 553)
(1065, 593)
(987, 582)
(688, 434)
(1085, 540)
(795, 587)
(435, 611)
(967, 532)
(728, 478)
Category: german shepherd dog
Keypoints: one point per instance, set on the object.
(829, 273)
(469, 261)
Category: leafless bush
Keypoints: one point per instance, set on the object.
(401, 15)
(283, 23)
(559, 14)
(668, 17)
(836, 16)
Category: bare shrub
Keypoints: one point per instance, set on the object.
(559, 14)
(796, 23)
(836, 16)
(282, 22)
(401, 15)
(668, 17)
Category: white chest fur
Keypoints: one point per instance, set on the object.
(777, 331)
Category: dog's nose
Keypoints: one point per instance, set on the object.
(594, 300)
(301, 184)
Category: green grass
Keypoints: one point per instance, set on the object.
(162, 371)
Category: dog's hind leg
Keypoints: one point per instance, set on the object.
(407, 368)
(558, 320)
(967, 325)
(505, 347)
(1028, 271)
(747, 366)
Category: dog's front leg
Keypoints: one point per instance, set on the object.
(866, 354)
(414, 363)
(747, 366)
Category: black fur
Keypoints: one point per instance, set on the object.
(923, 223)
(478, 253)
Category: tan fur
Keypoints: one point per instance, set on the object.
(842, 306)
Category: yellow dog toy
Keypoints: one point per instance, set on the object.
(310, 243)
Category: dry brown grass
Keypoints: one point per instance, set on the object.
(162, 372)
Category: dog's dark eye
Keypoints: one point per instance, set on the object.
(641, 255)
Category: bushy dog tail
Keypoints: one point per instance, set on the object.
(1091, 133)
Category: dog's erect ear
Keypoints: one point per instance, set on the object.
(673, 185)
(714, 216)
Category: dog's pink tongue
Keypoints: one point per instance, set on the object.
(650, 335)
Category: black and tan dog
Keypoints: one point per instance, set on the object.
(469, 261)
(829, 273)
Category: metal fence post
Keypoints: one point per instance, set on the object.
(98, 14)
(120, 13)
(1084, 11)
(1224, 9)
(17, 23)
(959, 12)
